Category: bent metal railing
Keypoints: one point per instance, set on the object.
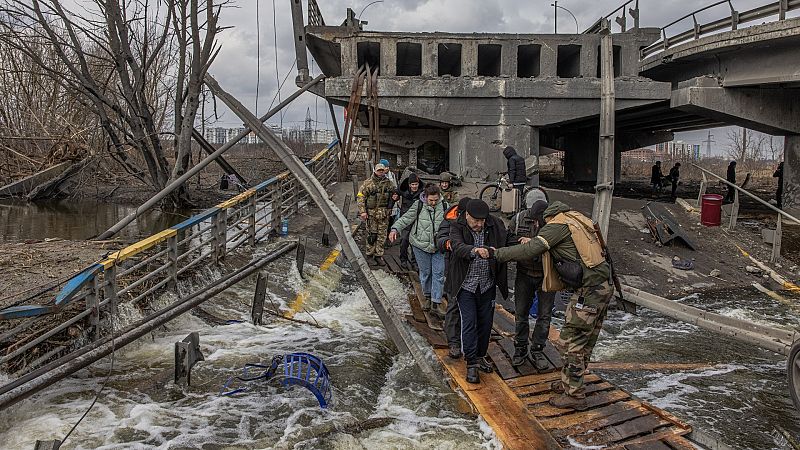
(143, 268)
(776, 8)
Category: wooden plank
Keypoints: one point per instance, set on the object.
(593, 401)
(537, 378)
(678, 443)
(503, 320)
(654, 445)
(632, 428)
(434, 323)
(579, 417)
(513, 424)
(416, 310)
(540, 388)
(667, 416)
(553, 355)
(434, 338)
(392, 264)
(526, 368)
(589, 389)
(657, 436)
(500, 360)
(594, 425)
(613, 365)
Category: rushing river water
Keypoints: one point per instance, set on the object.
(141, 407)
(740, 396)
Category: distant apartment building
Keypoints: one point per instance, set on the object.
(679, 150)
(220, 135)
(216, 135)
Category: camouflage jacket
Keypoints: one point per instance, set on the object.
(374, 193)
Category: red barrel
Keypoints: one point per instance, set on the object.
(711, 210)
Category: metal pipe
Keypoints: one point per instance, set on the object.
(200, 165)
(773, 339)
(391, 320)
(45, 376)
(779, 211)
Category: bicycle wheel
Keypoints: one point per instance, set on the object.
(491, 194)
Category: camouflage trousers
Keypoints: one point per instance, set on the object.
(377, 229)
(584, 318)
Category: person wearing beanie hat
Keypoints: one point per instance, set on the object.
(474, 278)
(410, 191)
(389, 172)
(525, 226)
(373, 207)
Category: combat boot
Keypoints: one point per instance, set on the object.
(520, 355)
(380, 261)
(557, 387)
(565, 401)
(539, 361)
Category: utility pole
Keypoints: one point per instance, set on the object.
(555, 17)
(604, 189)
(708, 142)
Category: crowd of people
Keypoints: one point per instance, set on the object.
(462, 254)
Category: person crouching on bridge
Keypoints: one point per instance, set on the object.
(423, 219)
(373, 206)
(475, 277)
(452, 318)
(572, 258)
(525, 226)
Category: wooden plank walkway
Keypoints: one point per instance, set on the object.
(514, 400)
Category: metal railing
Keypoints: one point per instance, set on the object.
(622, 20)
(732, 22)
(776, 242)
(144, 268)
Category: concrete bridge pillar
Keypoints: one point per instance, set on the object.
(477, 151)
(791, 174)
(580, 158)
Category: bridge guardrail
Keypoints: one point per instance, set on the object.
(732, 22)
(144, 267)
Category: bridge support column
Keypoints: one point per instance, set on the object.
(791, 174)
(580, 158)
(477, 151)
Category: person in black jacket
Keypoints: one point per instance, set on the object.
(516, 168)
(410, 190)
(656, 177)
(779, 193)
(731, 177)
(674, 175)
(474, 277)
(452, 317)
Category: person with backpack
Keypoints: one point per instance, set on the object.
(572, 258)
(423, 220)
(410, 191)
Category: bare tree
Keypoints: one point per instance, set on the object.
(775, 148)
(115, 57)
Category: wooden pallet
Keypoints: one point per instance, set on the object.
(514, 401)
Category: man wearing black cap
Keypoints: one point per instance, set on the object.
(452, 318)
(474, 275)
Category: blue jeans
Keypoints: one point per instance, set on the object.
(431, 273)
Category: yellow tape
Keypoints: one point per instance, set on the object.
(300, 299)
(237, 199)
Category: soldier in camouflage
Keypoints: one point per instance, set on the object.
(587, 306)
(449, 196)
(373, 206)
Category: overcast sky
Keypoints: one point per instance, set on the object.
(237, 66)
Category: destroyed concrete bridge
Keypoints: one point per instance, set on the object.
(462, 97)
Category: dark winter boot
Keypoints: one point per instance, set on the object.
(472, 374)
(539, 361)
(455, 351)
(485, 365)
(520, 355)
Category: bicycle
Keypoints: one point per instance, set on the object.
(492, 193)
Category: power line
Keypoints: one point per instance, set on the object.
(275, 39)
(258, 52)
